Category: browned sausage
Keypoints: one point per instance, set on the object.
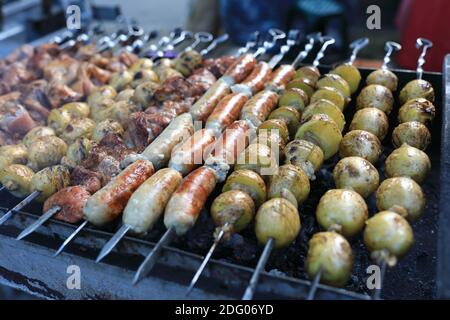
(226, 149)
(190, 154)
(186, 202)
(258, 108)
(281, 77)
(256, 81)
(240, 69)
(226, 112)
(71, 200)
(201, 110)
(108, 203)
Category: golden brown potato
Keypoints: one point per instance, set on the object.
(35, 133)
(420, 110)
(308, 72)
(418, 88)
(16, 178)
(77, 152)
(350, 74)
(45, 152)
(50, 180)
(291, 183)
(188, 61)
(144, 93)
(295, 97)
(375, 96)
(276, 126)
(77, 109)
(121, 80)
(289, 115)
(359, 143)
(249, 182)
(412, 133)
(335, 81)
(106, 127)
(408, 161)
(383, 77)
(371, 120)
(58, 120)
(12, 154)
(259, 158)
(324, 107)
(77, 129)
(305, 155)
(331, 94)
(306, 85)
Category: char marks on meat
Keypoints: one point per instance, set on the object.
(218, 66)
(91, 180)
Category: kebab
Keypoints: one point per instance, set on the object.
(85, 222)
(49, 214)
(181, 159)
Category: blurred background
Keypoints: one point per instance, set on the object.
(24, 21)
(403, 21)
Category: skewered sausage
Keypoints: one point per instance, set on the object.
(258, 108)
(106, 204)
(255, 81)
(148, 202)
(183, 208)
(159, 151)
(71, 200)
(227, 148)
(280, 77)
(201, 110)
(191, 153)
(226, 112)
(240, 69)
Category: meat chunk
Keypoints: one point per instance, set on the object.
(71, 200)
(87, 178)
(218, 66)
(15, 119)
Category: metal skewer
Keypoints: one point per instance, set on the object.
(200, 37)
(425, 44)
(275, 35)
(250, 291)
(214, 44)
(377, 292)
(356, 46)
(390, 47)
(314, 284)
(46, 216)
(70, 238)
(252, 42)
(20, 206)
(312, 38)
(207, 258)
(326, 42)
(107, 248)
(147, 265)
(292, 40)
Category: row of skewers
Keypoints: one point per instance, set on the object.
(277, 220)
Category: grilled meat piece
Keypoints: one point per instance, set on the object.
(59, 94)
(71, 200)
(15, 119)
(87, 178)
(218, 66)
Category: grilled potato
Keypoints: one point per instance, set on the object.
(408, 161)
(291, 183)
(350, 74)
(16, 178)
(12, 154)
(359, 143)
(417, 89)
(420, 110)
(412, 133)
(105, 127)
(35, 133)
(371, 120)
(45, 152)
(50, 180)
(325, 107)
(383, 77)
(375, 96)
(305, 155)
(249, 182)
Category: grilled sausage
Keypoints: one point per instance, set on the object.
(201, 110)
(158, 152)
(148, 202)
(281, 77)
(71, 200)
(240, 69)
(226, 112)
(190, 154)
(256, 81)
(185, 205)
(258, 108)
(106, 204)
(226, 149)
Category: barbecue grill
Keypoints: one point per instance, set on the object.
(29, 265)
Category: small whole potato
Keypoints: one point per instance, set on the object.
(350, 74)
(389, 232)
(278, 126)
(356, 174)
(125, 95)
(11, 154)
(16, 178)
(77, 109)
(46, 152)
(249, 182)
(270, 139)
(383, 77)
(77, 129)
(404, 193)
(305, 155)
(188, 61)
(144, 93)
(295, 97)
(371, 120)
(77, 152)
(277, 219)
(343, 211)
(335, 81)
(291, 183)
(100, 94)
(141, 64)
(420, 110)
(331, 94)
(143, 76)
(308, 72)
(331, 253)
(412, 133)
(50, 180)
(418, 88)
(408, 161)
(306, 85)
(233, 207)
(121, 80)
(120, 111)
(37, 132)
(58, 120)
(259, 158)
(323, 132)
(359, 143)
(105, 127)
(167, 73)
(375, 96)
(289, 115)
(325, 107)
